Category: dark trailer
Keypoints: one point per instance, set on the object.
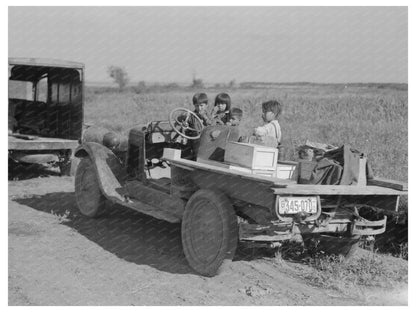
(45, 110)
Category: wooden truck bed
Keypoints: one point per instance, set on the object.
(282, 186)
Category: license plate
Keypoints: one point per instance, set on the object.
(294, 205)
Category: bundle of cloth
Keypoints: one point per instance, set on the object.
(330, 165)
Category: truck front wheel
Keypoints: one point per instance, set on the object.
(88, 194)
(209, 232)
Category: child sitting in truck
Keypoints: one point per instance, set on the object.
(236, 115)
(221, 113)
(200, 101)
(271, 111)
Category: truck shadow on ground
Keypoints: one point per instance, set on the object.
(129, 235)
(21, 171)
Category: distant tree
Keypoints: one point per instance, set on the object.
(119, 76)
(141, 87)
(197, 84)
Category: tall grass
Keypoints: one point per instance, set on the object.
(372, 120)
(367, 269)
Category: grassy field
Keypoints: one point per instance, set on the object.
(371, 119)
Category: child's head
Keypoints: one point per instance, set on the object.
(271, 110)
(236, 115)
(200, 101)
(223, 101)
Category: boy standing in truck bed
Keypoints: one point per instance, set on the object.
(271, 111)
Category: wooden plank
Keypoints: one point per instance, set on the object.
(362, 175)
(189, 165)
(306, 189)
(267, 173)
(41, 144)
(287, 162)
(212, 163)
(396, 185)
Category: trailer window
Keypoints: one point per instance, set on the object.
(64, 93)
(21, 90)
(42, 90)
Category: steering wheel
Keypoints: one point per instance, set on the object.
(181, 117)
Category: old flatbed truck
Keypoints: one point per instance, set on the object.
(219, 203)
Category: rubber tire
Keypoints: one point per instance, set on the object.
(332, 245)
(88, 195)
(210, 245)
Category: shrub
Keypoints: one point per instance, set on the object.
(119, 76)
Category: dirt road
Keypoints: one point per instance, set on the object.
(59, 257)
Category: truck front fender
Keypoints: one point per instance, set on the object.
(110, 173)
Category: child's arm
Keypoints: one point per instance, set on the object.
(263, 130)
(205, 118)
(214, 111)
(269, 129)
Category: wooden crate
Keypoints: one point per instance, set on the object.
(171, 153)
(251, 156)
(266, 173)
(285, 170)
(238, 168)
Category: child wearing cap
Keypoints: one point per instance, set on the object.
(236, 115)
(200, 101)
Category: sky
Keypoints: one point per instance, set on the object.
(219, 44)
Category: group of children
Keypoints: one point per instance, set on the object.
(223, 114)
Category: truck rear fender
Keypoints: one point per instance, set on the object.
(110, 172)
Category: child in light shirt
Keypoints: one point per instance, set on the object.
(271, 111)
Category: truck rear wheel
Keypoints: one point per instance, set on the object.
(209, 232)
(88, 194)
(345, 246)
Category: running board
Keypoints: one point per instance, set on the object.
(149, 210)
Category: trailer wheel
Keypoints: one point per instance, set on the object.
(209, 232)
(88, 195)
(345, 246)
